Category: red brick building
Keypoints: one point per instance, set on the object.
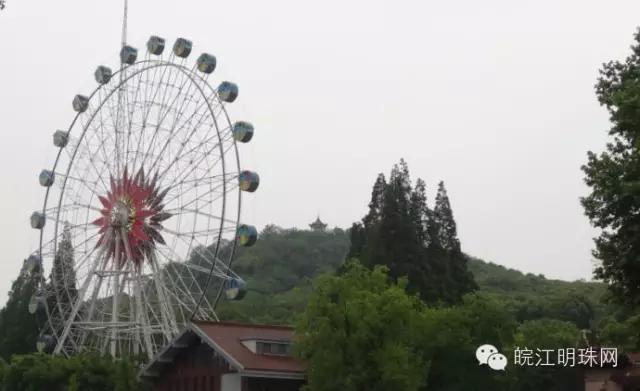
(218, 356)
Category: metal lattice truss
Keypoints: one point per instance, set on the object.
(140, 219)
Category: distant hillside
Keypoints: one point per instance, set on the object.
(499, 279)
(280, 267)
(533, 296)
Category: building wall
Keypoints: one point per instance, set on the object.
(199, 368)
(194, 369)
(231, 382)
(266, 384)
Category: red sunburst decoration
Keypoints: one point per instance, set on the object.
(131, 218)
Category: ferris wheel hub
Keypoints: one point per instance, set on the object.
(131, 218)
(121, 215)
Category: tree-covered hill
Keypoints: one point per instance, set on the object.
(532, 296)
(280, 267)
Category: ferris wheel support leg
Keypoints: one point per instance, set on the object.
(78, 303)
(141, 317)
(115, 300)
(166, 310)
(134, 311)
(94, 297)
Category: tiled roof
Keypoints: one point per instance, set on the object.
(228, 338)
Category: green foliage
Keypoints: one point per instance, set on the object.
(35, 372)
(401, 232)
(547, 334)
(362, 331)
(623, 334)
(278, 296)
(278, 271)
(454, 333)
(531, 297)
(359, 332)
(18, 328)
(62, 279)
(614, 178)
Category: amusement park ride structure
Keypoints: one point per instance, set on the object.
(141, 213)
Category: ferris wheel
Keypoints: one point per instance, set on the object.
(141, 213)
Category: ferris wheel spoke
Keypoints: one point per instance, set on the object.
(92, 153)
(167, 315)
(88, 185)
(95, 139)
(205, 198)
(132, 108)
(173, 292)
(206, 105)
(188, 174)
(181, 191)
(161, 119)
(187, 98)
(78, 303)
(71, 207)
(104, 99)
(227, 177)
(152, 306)
(196, 148)
(76, 247)
(205, 271)
(178, 211)
(164, 108)
(174, 133)
(105, 137)
(141, 316)
(218, 272)
(187, 290)
(219, 267)
(113, 128)
(92, 305)
(195, 234)
(156, 87)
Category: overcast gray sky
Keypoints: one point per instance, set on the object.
(494, 97)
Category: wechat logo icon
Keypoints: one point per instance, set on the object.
(489, 355)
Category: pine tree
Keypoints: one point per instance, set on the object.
(402, 233)
(398, 243)
(419, 211)
(357, 235)
(443, 220)
(62, 279)
(18, 327)
(377, 200)
(459, 278)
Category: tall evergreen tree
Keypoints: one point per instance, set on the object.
(443, 221)
(18, 327)
(402, 233)
(460, 279)
(377, 200)
(357, 235)
(614, 178)
(419, 211)
(62, 279)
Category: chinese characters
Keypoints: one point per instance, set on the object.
(569, 357)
